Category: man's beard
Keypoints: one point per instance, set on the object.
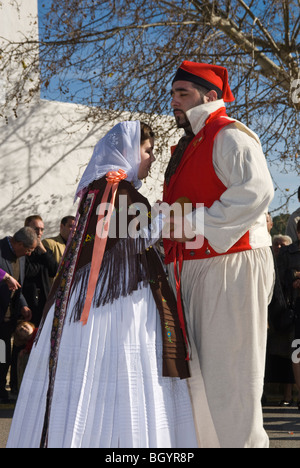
(182, 120)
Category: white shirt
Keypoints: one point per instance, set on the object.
(240, 164)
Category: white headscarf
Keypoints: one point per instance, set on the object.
(118, 149)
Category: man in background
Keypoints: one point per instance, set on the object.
(57, 244)
(291, 229)
(13, 305)
(40, 268)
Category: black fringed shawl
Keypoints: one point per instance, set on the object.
(128, 264)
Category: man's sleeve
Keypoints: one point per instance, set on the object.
(241, 165)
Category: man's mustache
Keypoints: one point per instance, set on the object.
(178, 110)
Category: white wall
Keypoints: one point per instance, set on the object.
(18, 18)
(42, 156)
(44, 151)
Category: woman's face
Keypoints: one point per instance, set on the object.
(25, 330)
(277, 244)
(147, 158)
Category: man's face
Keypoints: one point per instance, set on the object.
(65, 229)
(38, 226)
(22, 251)
(184, 98)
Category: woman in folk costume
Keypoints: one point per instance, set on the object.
(109, 366)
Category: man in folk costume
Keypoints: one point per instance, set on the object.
(225, 285)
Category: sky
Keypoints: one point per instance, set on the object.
(288, 183)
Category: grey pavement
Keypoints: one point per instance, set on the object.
(282, 425)
(6, 413)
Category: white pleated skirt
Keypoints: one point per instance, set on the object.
(109, 391)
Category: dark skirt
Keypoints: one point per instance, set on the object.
(297, 322)
(279, 370)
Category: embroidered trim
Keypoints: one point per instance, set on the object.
(169, 333)
(61, 303)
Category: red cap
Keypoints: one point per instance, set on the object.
(209, 76)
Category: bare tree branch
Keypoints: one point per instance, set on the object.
(120, 55)
(268, 67)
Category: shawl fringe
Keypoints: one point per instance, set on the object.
(124, 270)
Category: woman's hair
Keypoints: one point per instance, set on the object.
(280, 238)
(146, 132)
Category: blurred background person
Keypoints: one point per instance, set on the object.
(291, 229)
(289, 270)
(57, 244)
(40, 268)
(13, 305)
(279, 368)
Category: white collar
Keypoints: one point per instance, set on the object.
(198, 115)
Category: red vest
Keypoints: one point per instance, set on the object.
(197, 180)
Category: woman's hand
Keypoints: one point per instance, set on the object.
(12, 284)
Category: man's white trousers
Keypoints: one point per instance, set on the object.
(226, 303)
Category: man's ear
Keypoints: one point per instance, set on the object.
(211, 96)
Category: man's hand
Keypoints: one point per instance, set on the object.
(177, 227)
(296, 284)
(26, 313)
(40, 247)
(180, 229)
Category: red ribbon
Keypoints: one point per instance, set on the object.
(113, 179)
(178, 264)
